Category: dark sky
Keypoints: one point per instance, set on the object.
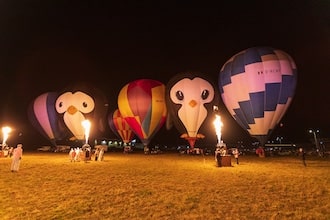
(46, 45)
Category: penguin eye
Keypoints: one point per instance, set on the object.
(179, 95)
(84, 104)
(60, 104)
(205, 94)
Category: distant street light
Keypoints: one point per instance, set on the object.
(311, 131)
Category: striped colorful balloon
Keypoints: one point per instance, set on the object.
(142, 105)
(257, 86)
(43, 116)
(120, 127)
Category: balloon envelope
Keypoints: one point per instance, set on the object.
(257, 86)
(190, 97)
(82, 101)
(142, 104)
(43, 116)
(120, 127)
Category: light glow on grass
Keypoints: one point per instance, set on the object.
(167, 186)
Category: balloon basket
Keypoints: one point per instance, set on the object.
(225, 161)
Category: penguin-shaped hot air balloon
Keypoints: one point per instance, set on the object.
(190, 99)
(82, 101)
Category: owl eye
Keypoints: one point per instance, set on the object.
(205, 94)
(84, 104)
(179, 95)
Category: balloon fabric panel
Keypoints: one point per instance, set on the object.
(42, 113)
(126, 111)
(241, 119)
(139, 102)
(287, 90)
(245, 112)
(159, 110)
(43, 116)
(257, 103)
(236, 66)
(256, 54)
(112, 125)
(272, 96)
(140, 98)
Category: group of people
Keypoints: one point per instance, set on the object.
(99, 154)
(221, 151)
(7, 151)
(84, 153)
(77, 154)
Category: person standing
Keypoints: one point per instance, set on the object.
(303, 157)
(16, 158)
(218, 156)
(72, 155)
(101, 154)
(96, 154)
(235, 152)
(260, 151)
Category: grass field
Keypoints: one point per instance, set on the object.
(166, 186)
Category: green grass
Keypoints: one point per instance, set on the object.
(167, 186)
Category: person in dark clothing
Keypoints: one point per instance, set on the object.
(303, 155)
(218, 156)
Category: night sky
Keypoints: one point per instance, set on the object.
(46, 45)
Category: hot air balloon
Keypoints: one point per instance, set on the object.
(43, 116)
(142, 105)
(79, 102)
(257, 86)
(120, 127)
(190, 98)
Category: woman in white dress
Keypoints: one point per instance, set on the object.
(16, 158)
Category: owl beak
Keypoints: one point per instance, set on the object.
(193, 103)
(72, 110)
